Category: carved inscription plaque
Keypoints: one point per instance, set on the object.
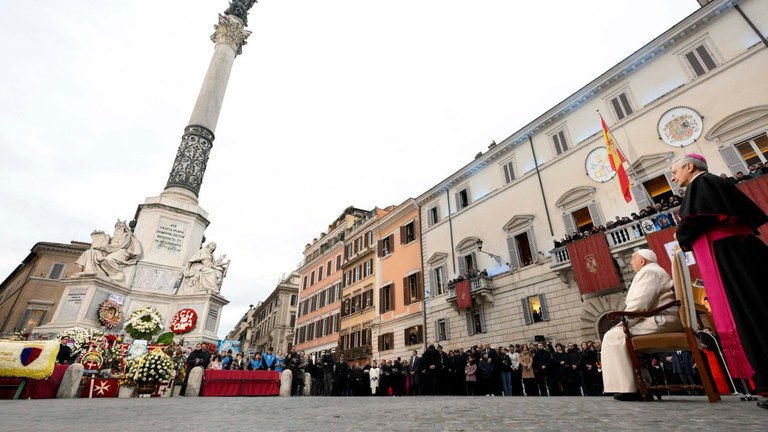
(169, 237)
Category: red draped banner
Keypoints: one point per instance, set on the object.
(463, 295)
(757, 191)
(593, 265)
(35, 389)
(240, 383)
(657, 240)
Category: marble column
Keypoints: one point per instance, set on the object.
(192, 157)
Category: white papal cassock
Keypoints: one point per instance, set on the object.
(651, 288)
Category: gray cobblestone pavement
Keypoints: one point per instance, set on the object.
(686, 413)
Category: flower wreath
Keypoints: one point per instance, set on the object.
(184, 321)
(144, 323)
(110, 312)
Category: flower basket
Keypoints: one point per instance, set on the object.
(150, 370)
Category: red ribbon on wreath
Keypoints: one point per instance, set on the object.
(184, 321)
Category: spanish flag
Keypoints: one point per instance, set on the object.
(617, 160)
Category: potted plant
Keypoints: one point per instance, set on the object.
(149, 370)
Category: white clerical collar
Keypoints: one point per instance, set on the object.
(697, 175)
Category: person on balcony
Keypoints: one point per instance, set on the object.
(719, 224)
(651, 288)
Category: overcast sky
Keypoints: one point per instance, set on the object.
(333, 103)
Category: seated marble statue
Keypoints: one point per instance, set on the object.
(203, 272)
(108, 256)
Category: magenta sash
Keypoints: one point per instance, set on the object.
(733, 351)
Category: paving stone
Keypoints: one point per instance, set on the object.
(432, 413)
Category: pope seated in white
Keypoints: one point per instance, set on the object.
(651, 288)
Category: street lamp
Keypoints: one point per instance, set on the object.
(497, 258)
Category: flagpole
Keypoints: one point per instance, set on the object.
(616, 143)
(631, 172)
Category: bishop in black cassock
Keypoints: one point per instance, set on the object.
(719, 223)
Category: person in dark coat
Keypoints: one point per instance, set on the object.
(432, 364)
(415, 370)
(238, 363)
(327, 363)
(342, 385)
(65, 352)
(198, 357)
(461, 366)
(719, 224)
(561, 366)
(398, 385)
(542, 364)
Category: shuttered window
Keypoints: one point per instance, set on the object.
(442, 329)
(462, 198)
(476, 321)
(561, 144)
(387, 298)
(438, 280)
(621, 106)
(509, 172)
(522, 249)
(434, 215)
(535, 309)
(386, 342)
(386, 246)
(56, 271)
(413, 335)
(412, 291)
(700, 60)
(467, 264)
(408, 233)
(30, 320)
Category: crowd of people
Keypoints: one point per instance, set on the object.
(663, 219)
(535, 369)
(755, 171)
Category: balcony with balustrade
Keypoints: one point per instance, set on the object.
(481, 289)
(621, 239)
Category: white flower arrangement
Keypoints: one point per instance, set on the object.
(144, 323)
(153, 367)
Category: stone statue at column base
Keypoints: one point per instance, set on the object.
(203, 272)
(108, 256)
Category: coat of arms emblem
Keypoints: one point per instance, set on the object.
(591, 263)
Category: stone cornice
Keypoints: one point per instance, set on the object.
(400, 211)
(660, 45)
(205, 222)
(61, 248)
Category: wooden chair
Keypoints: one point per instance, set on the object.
(673, 341)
